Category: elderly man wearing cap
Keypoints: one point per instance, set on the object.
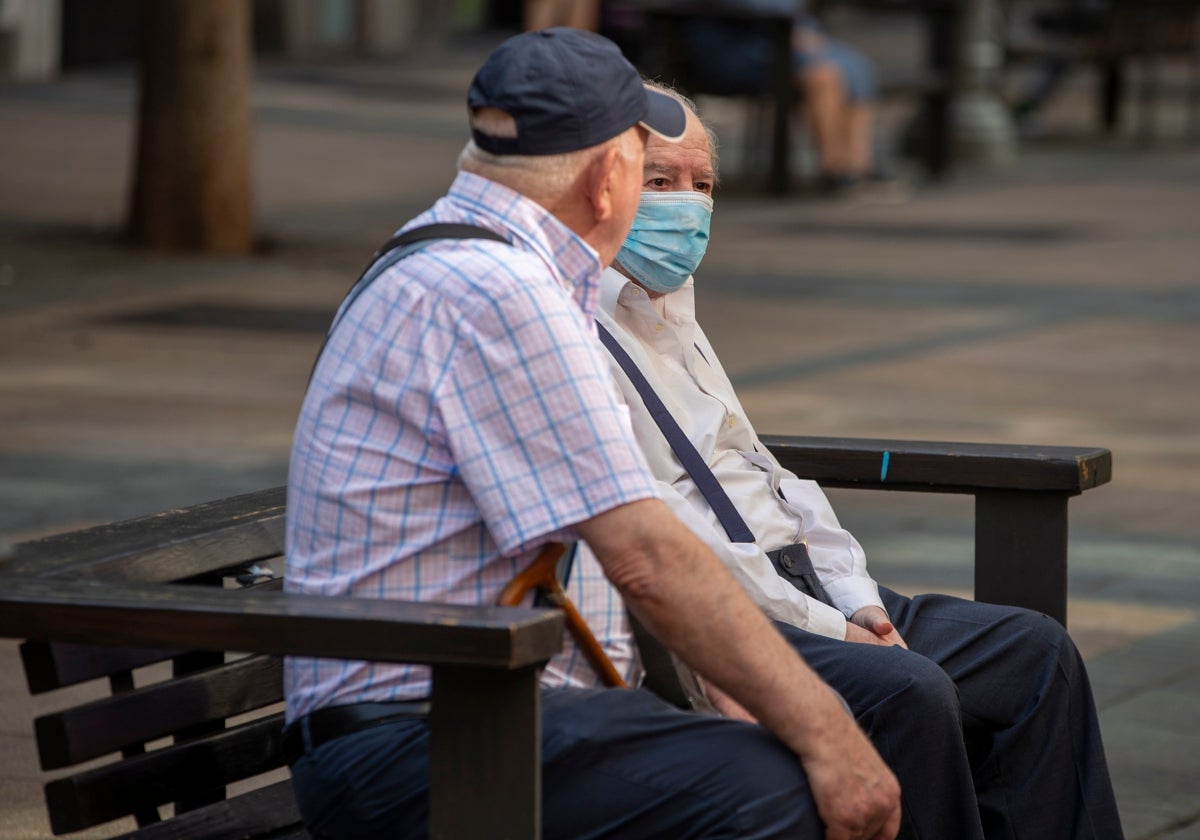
(459, 418)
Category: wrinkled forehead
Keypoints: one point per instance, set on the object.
(684, 161)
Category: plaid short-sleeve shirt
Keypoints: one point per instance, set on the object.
(460, 417)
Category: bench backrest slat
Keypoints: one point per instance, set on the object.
(54, 665)
(112, 791)
(91, 730)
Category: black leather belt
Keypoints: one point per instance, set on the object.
(324, 725)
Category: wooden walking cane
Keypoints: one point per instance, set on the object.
(542, 574)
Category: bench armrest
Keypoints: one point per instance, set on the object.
(938, 467)
(1021, 495)
(163, 616)
(485, 723)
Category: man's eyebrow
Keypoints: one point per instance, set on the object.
(665, 169)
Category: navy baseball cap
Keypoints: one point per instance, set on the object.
(567, 89)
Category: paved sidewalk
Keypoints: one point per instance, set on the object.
(1054, 302)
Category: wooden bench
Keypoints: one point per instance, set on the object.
(174, 603)
(201, 719)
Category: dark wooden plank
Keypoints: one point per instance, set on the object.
(265, 811)
(112, 791)
(171, 545)
(194, 661)
(298, 833)
(53, 665)
(941, 467)
(279, 623)
(1021, 550)
(485, 754)
(155, 711)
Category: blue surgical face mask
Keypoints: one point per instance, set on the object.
(668, 239)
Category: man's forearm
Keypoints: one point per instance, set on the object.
(684, 595)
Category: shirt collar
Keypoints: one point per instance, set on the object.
(618, 290)
(574, 263)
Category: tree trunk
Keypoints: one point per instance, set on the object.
(192, 182)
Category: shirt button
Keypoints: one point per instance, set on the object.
(732, 421)
(658, 327)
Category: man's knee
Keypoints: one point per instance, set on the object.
(1032, 631)
(769, 790)
(921, 688)
(623, 763)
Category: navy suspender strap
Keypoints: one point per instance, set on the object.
(397, 248)
(714, 494)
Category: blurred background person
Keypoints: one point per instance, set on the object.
(835, 83)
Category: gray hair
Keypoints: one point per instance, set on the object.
(540, 177)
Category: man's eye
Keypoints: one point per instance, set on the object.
(657, 182)
(703, 186)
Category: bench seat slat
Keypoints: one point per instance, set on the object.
(241, 545)
(116, 790)
(91, 730)
(177, 543)
(267, 811)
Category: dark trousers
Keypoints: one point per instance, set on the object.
(616, 763)
(987, 720)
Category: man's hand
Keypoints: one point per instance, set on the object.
(726, 705)
(856, 794)
(879, 629)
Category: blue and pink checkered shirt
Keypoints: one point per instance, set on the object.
(460, 417)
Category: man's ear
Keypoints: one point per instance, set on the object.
(601, 180)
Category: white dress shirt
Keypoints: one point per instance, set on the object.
(661, 335)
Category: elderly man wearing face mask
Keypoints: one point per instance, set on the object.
(983, 712)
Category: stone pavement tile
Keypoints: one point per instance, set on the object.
(1155, 573)
(1190, 831)
(1153, 749)
(1100, 627)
